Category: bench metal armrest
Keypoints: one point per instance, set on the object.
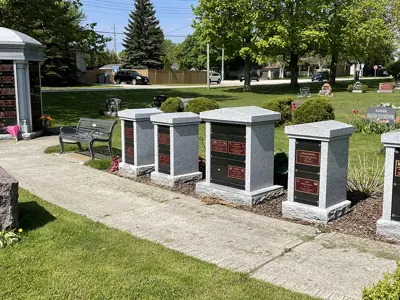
(68, 130)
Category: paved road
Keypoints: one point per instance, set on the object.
(226, 83)
(328, 265)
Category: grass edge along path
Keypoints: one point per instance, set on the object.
(66, 256)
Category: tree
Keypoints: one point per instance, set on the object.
(101, 58)
(144, 38)
(296, 28)
(234, 25)
(169, 50)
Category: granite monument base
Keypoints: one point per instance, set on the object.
(388, 228)
(135, 171)
(168, 180)
(238, 196)
(295, 210)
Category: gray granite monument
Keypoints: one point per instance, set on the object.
(176, 150)
(137, 141)
(8, 201)
(318, 165)
(240, 155)
(389, 224)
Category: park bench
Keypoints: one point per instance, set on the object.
(88, 131)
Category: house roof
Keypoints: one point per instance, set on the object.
(110, 66)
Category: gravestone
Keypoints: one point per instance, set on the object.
(326, 90)
(8, 201)
(176, 149)
(240, 155)
(357, 87)
(304, 92)
(381, 114)
(318, 163)
(389, 223)
(113, 106)
(137, 141)
(397, 87)
(385, 87)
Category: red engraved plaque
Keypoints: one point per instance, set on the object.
(7, 68)
(164, 159)
(397, 173)
(386, 86)
(308, 158)
(163, 139)
(236, 148)
(219, 146)
(129, 151)
(307, 186)
(7, 103)
(236, 172)
(7, 92)
(6, 79)
(8, 114)
(129, 133)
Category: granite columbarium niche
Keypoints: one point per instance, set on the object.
(137, 141)
(176, 139)
(240, 155)
(318, 165)
(389, 223)
(20, 86)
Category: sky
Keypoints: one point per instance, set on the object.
(174, 16)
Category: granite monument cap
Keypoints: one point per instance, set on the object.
(241, 115)
(176, 118)
(391, 138)
(15, 45)
(324, 129)
(138, 114)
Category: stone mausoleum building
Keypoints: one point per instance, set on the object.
(20, 84)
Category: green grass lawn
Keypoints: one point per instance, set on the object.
(66, 256)
(67, 108)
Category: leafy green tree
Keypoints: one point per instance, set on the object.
(169, 50)
(101, 58)
(394, 69)
(234, 25)
(144, 38)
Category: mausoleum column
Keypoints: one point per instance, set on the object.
(22, 93)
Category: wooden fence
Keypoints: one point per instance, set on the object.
(156, 76)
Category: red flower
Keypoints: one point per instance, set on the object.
(294, 106)
(355, 111)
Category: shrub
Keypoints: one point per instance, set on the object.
(172, 105)
(8, 238)
(364, 88)
(201, 104)
(282, 105)
(362, 124)
(366, 176)
(386, 289)
(350, 88)
(394, 69)
(314, 110)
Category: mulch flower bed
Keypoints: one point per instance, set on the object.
(360, 221)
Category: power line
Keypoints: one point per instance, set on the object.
(178, 29)
(124, 9)
(164, 15)
(167, 35)
(131, 5)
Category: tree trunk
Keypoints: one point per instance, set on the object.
(332, 79)
(247, 71)
(294, 61)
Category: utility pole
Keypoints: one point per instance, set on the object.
(115, 40)
(223, 63)
(208, 66)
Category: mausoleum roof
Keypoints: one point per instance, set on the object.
(138, 114)
(324, 129)
(175, 118)
(241, 115)
(391, 138)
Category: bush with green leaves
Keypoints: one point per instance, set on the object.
(282, 105)
(366, 176)
(200, 104)
(350, 88)
(363, 125)
(364, 88)
(8, 238)
(386, 289)
(314, 110)
(172, 105)
(394, 69)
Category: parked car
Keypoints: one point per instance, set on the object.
(215, 77)
(130, 77)
(253, 76)
(320, 76)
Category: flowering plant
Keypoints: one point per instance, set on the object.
(387, 105)
(47, 121)
(9, 238)
(115, 164)
(362, 124)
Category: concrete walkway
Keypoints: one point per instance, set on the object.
(327, 265)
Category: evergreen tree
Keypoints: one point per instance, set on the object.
(144, 38)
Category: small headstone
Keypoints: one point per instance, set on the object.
(385, 87)
(397, 87)
(381, 114)
(185, 101)
(357, 87)
(8, 201)
(304, 92)
(113, 106)
(326, 90)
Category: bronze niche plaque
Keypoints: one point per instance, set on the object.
(308, 158)
(130, 152)
(307, 186)
(129, 132)
(395, 213)
(165, 160)
(219, 146)
(163, 139)
(397, 168)
(129, 143)
(236, 148)
(236, 172)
